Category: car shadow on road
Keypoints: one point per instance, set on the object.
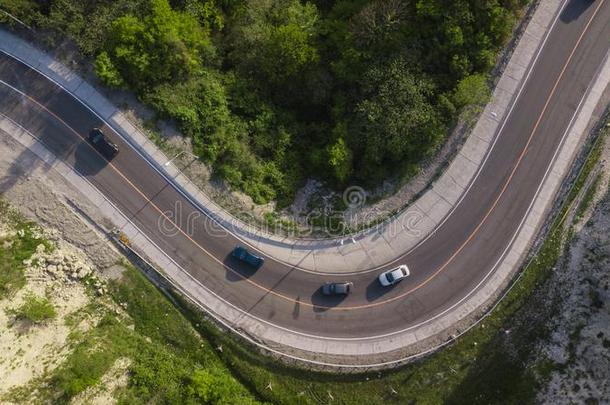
(237, 270)
(375, 290)
(322, 303)
(574, 9)
(87, 162)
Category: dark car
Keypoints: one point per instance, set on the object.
(103, 144)
(337, 288)
(241, 253)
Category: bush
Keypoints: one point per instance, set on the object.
(212, 387)
(472, 90)
(340, 157)
(164, 46)
(35, 309)
(262, 111)
(200, 108)
(107, 72)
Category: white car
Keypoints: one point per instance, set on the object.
(393, 276)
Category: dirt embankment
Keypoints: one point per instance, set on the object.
(579, 345)
(67, 268)
(575, 312)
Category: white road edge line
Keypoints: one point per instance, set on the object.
(208, 214)
(557, 150)
(315, 336)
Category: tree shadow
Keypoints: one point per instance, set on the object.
(498, 374)
(24, 164)
(508, 367)
(29, 121)
(574, 10)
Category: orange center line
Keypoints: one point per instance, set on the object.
(374, 304)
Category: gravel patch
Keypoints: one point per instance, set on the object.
(579, 343)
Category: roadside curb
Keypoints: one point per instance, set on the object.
(370, 248)
(390, 349)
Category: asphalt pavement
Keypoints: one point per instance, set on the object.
(445, 268)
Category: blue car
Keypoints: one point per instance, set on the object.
(241, 253)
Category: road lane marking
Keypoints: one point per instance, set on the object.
(247, 242)
(521, 156)
(374, 304)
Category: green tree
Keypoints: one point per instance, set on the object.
(287, 51)
(164, 46)
(206, 11)
(25, 10)
(275, 39)
(379, 24)
(396, 120)
(472, 90)
(339, 155)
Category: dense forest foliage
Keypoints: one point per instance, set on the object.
(274, 91)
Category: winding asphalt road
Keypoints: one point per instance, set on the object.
(447, 266)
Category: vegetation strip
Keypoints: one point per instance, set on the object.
(171, 363)
(271, 93)
(472, 370)
(168, 362)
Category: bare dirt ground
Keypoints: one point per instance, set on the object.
(580, 339)
(577, 297)
(43, 195)
(30, 351)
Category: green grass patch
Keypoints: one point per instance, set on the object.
(587, 198)
(276, 224)
(169, 354)
(35, 309)
(14, 249)
(169, 362)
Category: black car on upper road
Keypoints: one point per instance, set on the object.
(242, 254)
(102, 144)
